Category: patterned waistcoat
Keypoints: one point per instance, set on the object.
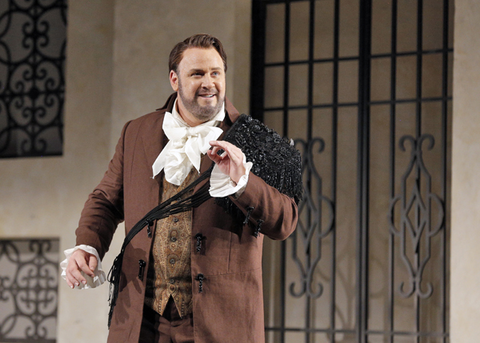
(169, 275)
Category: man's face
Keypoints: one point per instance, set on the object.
(200, 84)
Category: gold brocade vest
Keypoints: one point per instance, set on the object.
(169, 275)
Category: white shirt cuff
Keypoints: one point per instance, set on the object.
(99, 277)
(221, 185)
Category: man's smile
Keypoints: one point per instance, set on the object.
(207, 95)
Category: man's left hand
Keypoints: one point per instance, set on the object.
(230, 161)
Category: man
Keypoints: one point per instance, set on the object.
(193, 276)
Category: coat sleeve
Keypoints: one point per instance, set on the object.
(103, 210)
(270, 212)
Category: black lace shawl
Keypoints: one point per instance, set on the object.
(274, 159)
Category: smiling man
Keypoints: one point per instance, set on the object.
(195, 275)
(199, 80)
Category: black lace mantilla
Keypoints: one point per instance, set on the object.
(274, 159)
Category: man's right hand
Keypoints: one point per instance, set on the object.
(80, 261)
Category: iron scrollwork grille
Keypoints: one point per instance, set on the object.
(28, 290)
(32, 77)
(364, 88)
(310, 231)
(417, 227)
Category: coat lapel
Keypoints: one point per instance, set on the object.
(154, 139)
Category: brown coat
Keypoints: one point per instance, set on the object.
(230, 306)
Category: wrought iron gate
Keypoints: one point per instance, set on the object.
(364, 88)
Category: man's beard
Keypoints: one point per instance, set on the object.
(202, 113)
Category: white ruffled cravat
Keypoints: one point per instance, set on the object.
(186, 145)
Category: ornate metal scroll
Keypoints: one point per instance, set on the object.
(32, 81)
(414, 203)
(28, 290)
(310, 231)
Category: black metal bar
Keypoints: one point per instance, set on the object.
(445, 72)
(393, 96)
(286, 84)
(355, 104)
(305, 107)
(354, 58)
(418, 115)
(406, 101)
(411, 53)
(418, 335)
(418, 110)
(316, 61)
(363, 167)
(279, 1)
(286, 69)
(313, 330)
(370, 332)
(311, 46)
(311, 49)
(336, 49)
(257, 74)
(283, 290)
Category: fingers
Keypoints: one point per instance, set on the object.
(230, 150)
(74, 276)
(92, 264)
(230, 161)
(212, 154)
(80, 261)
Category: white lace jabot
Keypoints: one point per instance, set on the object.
(186, 145)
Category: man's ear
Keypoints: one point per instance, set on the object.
(173, 80)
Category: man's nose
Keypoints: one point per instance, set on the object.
(207, 81)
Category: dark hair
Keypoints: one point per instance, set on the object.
(201, 40)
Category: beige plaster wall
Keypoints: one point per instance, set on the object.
(86, 154)
(465, 240)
